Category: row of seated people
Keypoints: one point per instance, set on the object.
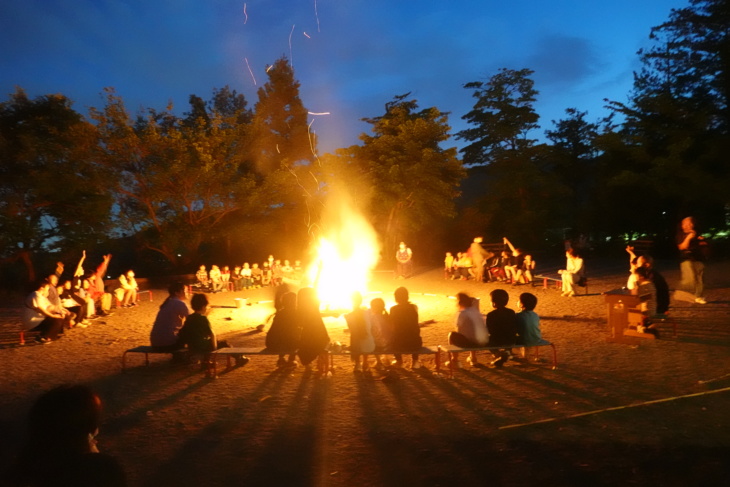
(508, 265)
(57, 303)
(272, 272)
(298, 331)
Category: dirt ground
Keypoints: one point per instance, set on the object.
(649, 413)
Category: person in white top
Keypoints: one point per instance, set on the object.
(40, 315)
(471, 329)
(572, 273)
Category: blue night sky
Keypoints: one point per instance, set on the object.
(351, 56)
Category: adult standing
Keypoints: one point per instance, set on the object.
(692, 248)
(404, 258)
(478, 257)
(170, 318)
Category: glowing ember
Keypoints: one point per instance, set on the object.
(345, 254)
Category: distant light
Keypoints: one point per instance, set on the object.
(179, 255)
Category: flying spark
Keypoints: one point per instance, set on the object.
(316, 14)
(318, 113)
(250, 71)
(245, 14)
(306, 35)
(291, 55)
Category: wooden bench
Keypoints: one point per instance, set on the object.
(425, 350)
(231, 353)
(455, 349)
(547, 279)
(139, 295)
(146, 350)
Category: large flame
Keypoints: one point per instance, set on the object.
(346, 251)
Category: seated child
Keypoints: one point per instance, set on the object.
(247, 276)
(449, 266)
(648, 307)
(471, 330)
(528, 322)
(202, 277)
(266, 275)
(197, 335)
(284, 334)
(381, 328)
(524, 271)
(501, 325)
(256, 275)
(361, 336)
(406, 331)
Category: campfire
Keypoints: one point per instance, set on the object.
(345, 253)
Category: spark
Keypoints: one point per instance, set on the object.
(245, 14)
(291, 55)
(316, 14)
(250, 71)
(268, 68)
(306, 35)
(318, 113)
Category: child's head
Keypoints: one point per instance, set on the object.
(500, 298)
(255, 265)
(401, 295)
(528, 301)
(377, 305)
(464, 300)
(289, 300)
(246, 265)
(448, 254)
(642, 274)
(199, 302)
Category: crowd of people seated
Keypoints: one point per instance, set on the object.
(62, 300)
(271, 272)
(506, 264)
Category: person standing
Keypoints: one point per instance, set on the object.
(478, 257)
(404, 258)
(692, 248)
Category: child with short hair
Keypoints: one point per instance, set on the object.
(197, 334)
(502, 326)
(256, 275)
(528, 323)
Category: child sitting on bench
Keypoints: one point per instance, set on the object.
(197, 334)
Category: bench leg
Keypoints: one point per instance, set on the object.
(555, 357)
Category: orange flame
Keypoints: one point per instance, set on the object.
(346, 253)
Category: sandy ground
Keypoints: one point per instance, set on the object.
(651, 413)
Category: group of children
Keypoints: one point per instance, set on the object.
(501, 328)
(272, 272)
(297, 330)
(508, 265)
(57, 303)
